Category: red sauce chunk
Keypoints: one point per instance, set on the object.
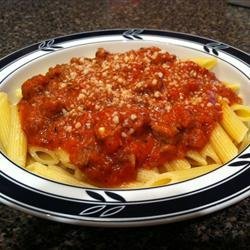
(119, 112)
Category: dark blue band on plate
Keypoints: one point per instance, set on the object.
(202, 40)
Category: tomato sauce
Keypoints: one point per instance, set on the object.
(116, 113)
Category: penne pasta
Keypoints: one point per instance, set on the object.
(177, 165)
(242, 111)
(55, 173)
(195, 158)
(206, 62)
(78, 174)
(234, 86)
(131, 185)
(43, 155)
(4, 120)
(146, 174)
(222, 144)
(17, 143)
(63, 157)
(232, 124)
(245, 142)
(1, 147)
(179, 175)
(209, 154)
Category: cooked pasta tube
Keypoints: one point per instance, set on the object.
(195, 158)
(245, 142)
(206, 62)
(146, 174)
(177, 165)
(209, 154)
(63, 157)
(232, 124)
(234, 86)
(4, 120)
(179, 175)
(78, 174)
(55, 173)
(43, 155)
(1, 147)
(242, 111)
(134, 184)
(222, 144)
(17, 143)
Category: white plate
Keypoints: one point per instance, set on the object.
(103, 207)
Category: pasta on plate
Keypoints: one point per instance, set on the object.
(130, 120)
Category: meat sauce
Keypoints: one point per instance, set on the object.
(116, 113)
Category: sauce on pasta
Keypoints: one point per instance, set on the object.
(119, 112)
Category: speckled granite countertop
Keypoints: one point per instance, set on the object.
(25, 22)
